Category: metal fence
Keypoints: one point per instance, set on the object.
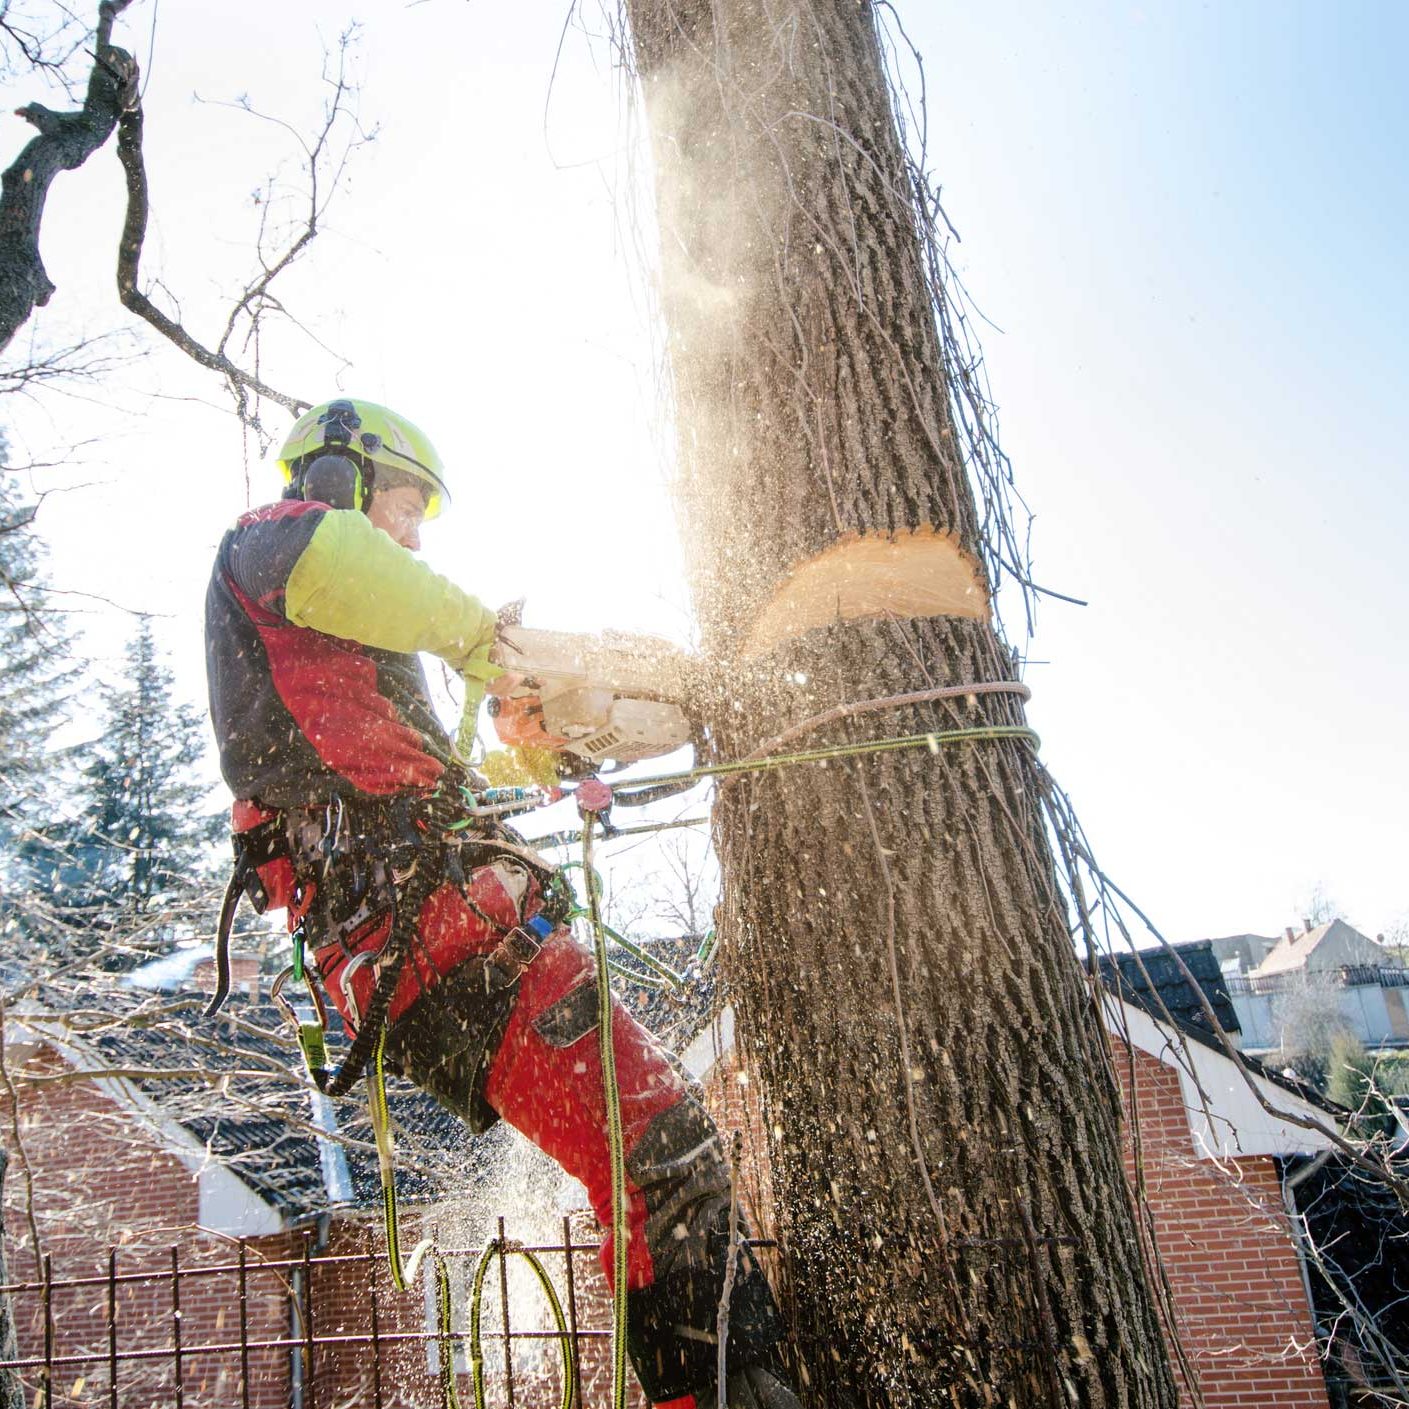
(135, 1340)
(177, 1333)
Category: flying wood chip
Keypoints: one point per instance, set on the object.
(921, 573)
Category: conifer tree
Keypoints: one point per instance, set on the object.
(135, 856)
(37, 676)
(36, 672)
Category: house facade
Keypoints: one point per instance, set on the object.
(1322, 949)
(261, 1217)
(1211, 1172)
(1325, 976)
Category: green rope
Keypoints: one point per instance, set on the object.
(445, 1351)
(662, 974)
(614, 1135)
(557, 840)
(931, 739)
(401, 1276)
(706, 950)
(633, 976)
(556, 1306)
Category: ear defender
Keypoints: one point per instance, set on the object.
(335, 480)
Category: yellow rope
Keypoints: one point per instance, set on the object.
(401, 1276)
(445, 1351)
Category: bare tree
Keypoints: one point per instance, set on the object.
(1308, 1017)
(64, 140)
(1318, 906)
(897, 945)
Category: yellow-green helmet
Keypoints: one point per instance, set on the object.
(373, 439)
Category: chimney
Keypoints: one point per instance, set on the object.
(1291, 934)
(1306, 926)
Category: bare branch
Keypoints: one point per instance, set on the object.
(45, 45)
(134, 232)
(256, 297)
(324, 162)
(65, 141)
(210, 1078)
(88, 360)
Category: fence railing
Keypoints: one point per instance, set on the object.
(324, 1330)
(1346, 976)
(313, 1330)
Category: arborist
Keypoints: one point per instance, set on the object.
(350, 813)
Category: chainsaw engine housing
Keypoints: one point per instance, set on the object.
(604, 697)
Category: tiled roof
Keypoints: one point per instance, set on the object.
(1292, 951)
(1295, 951)
(262, 1127)
(1153, 980)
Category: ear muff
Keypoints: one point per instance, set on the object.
(336, 480)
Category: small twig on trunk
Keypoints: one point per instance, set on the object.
(721, 1325)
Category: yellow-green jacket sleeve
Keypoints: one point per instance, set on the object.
(353, 581)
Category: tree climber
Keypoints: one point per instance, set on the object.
(452, 941)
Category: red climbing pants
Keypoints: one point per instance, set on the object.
(529, 1054)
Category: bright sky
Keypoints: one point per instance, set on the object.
(1186, 222)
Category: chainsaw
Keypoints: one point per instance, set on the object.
(607, 698)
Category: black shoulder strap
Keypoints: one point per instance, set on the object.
(410, 896)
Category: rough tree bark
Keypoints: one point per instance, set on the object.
(934, 1071)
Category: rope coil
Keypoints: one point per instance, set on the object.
(500, 1249)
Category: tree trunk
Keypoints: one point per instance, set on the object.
(934, 1075)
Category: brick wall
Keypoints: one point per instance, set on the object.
(1228, 1252)
(101, 1179)
(732, 1100)
(1236, 1277)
